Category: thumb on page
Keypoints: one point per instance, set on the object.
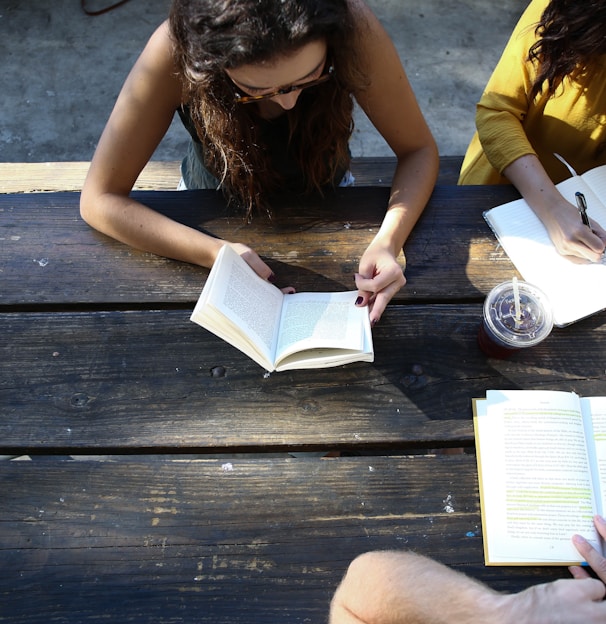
(254, 261)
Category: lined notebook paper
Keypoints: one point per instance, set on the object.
(575, 291)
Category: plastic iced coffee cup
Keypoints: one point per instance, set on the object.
(517, 315)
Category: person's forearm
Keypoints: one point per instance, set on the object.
(145, 229)
(398, 587)
(412, 185)
(529, 177)
(401, 587)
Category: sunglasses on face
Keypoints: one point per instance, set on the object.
(248, 99)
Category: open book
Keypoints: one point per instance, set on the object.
(278, 331)
(574, 290)
(542, 472)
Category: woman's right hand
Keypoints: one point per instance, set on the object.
(570, 236)
(257, 265)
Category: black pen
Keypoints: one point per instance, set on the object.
(582, 206)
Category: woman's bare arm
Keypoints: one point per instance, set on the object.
(140, 118)
(391, 106)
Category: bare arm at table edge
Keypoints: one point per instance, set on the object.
(140, 119)
(394, 587)
(390, 104)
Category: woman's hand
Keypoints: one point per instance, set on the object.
(257, 265)
(379, 278)
(561, 219)
(570, 236)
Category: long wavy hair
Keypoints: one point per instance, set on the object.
(571, 35)
(211, 36)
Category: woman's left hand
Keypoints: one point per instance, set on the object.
(379, 278)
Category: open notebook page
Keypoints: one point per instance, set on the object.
(574, 290)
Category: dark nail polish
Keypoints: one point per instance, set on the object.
(272, 278)
(359, 300)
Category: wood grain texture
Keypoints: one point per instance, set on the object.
(176, 541)
(99, 357)
(131, 381)
(165, 175)
(49, 256)
(69, 176)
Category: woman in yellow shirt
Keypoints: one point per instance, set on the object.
(547, 95)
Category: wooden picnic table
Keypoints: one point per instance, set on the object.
(161, 477)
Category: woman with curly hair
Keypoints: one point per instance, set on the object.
(266, 89)
(547, 96)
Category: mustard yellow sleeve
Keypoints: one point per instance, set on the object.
(501, 111)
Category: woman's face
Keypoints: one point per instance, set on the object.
(305, 64)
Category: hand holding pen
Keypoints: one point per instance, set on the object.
(582, 206)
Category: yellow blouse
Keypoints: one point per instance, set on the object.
(570, 123)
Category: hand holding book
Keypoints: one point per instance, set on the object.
(281, 331)
(542, 472)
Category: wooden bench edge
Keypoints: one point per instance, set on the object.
(41, 177)
(69, 176)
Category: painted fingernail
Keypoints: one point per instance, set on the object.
(272, 278)
(359, 300)
(374, 322)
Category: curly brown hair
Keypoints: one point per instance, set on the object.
(211, 36)
(572, 34)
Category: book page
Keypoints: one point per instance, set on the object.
(574, 290)
(594, 412)
(536, 483)
(240, 307)
(321, 321)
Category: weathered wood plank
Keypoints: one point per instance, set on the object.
(50, 256)
(89, 382)
(164, 175)
(69, 176)
(251, 541)
(378, 171)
